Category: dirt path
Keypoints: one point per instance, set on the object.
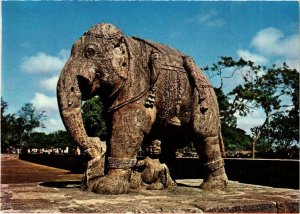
(15, 171)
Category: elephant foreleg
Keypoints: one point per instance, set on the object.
(130, 124)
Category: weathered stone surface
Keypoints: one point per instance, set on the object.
(187, 198)
(152, 92)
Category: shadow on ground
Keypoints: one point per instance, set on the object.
(62, 184)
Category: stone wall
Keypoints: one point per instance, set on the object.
(74, 163)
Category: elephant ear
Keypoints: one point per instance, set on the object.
(120, 59)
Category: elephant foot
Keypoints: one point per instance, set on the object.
(113, 184)
(215, 182)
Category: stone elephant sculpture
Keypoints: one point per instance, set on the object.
(152, 92)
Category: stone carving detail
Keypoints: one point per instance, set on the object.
(95, 167)
(151, 90)
(150, 173)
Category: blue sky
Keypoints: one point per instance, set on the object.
(37, 37)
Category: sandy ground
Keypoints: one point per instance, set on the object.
(14, 170)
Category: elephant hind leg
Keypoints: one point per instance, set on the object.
(214, 172)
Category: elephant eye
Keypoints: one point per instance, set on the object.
(90, 51)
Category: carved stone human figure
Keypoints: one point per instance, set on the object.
(150, 173)
(95, 168)
(151, 91)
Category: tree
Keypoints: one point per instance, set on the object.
(38, 140)
(224, 104)
(4, 106)
(57, 139)
(7, 122)
(282, 130)
(234, 102)
(233, 137)
(60, 139)
(260, 88)
(241, 96)
(28, 119)
(19, 130)
(94, 119)
(16, 128)
(261, 94)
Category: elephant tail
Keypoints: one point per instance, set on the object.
(221, 143)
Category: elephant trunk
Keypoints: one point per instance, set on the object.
(69, 101)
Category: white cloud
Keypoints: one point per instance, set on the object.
(256, 118)
(208, 19)
(271, 41)
(292, 63)
(270, 46)
(211, 19)
(54, 125)
(256, 58)
(48, 104)
(64, 54)
(44, 63)
(50, 83)
(43, 102)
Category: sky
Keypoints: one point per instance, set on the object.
(37, 38)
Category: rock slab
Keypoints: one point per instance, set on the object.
(67, 197)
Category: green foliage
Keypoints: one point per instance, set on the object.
(224, 105)
(4, 106)
(38, 140)
(235, 139)
(7, 123)
(93, 118)
(242, 94)
(261, 88)
(28, 119)
(281, 131)
(58, 139)
(16, 128)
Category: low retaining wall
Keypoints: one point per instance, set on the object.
(269, 172)
(74, 163)
(281, 173)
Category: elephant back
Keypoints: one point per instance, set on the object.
(171, 59)
(169, 81)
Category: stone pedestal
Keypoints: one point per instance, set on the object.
(67, 197)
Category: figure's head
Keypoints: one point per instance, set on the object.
(154, 148)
